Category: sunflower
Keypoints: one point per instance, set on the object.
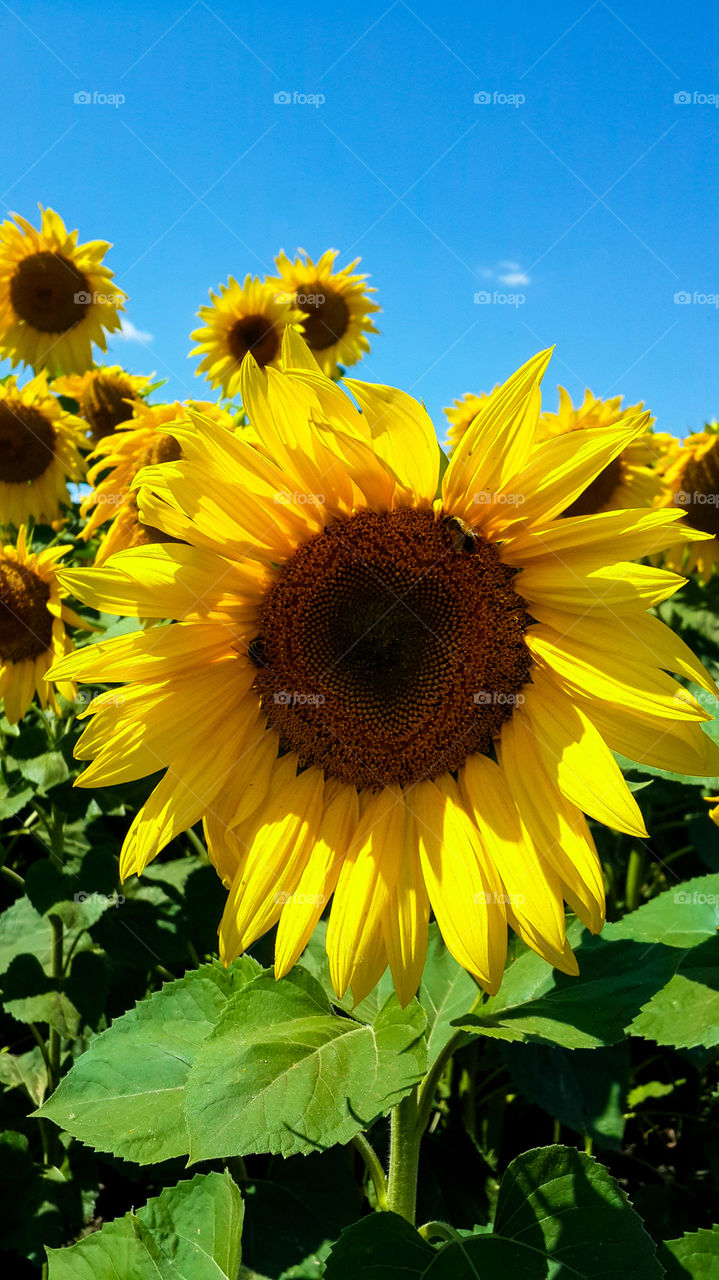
(241, 318)
(38, 452)
(138, 443)
(56, 298)
(690, 482)
(375, 695)
(105, 396)
(33, 618)
(630, 480)
(335, 307)
(462, 415)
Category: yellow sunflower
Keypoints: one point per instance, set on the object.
(106, 396)
(33, 618)
(116, 461)
(335, 307)
(690, 482)
(56, 297)
(241, 318)
(630, 480)
(38, 453)
(462, 415)
(369, 693)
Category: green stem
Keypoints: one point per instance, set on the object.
(438, 1231)
(635, 878)
(405, 1138)
(12, 876)
(374, 1169)
(55, 1043)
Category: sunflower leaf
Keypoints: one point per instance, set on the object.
(125, 1093)
(282, 1073)
(189, 1232)
(695, 1254)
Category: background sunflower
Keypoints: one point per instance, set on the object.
(39, 453)
(335, 306)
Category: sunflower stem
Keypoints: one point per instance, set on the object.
(405, 1139)
(373, 1167)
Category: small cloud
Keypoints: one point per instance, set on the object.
(514, 277)
(128, 333)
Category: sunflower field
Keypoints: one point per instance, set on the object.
(358, 809)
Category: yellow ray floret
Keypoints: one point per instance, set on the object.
(39, 453)
(335, 306)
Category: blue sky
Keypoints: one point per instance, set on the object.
(592, 199)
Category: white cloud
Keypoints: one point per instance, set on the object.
(515, 277)
(506, 272)
(128, 333)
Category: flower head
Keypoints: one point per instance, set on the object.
(242, 318)
(335, 307)
(106, 397)
(39, 453)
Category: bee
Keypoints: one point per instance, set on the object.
(256, 651)
(463, 536)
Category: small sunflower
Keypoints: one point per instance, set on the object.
(335, 307)
(39, 453)
(56, 297)
(105, 396)
(630, 480)
(33, 618)
(376, 696)
(140, 442)
(462, 415)
(690, 483)
(242, 318)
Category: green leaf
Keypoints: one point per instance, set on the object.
(23, 930)
(26, 1071)
(685, 1013)
(282, 1073)
(680, 917)
(31, 995)
(696, 1254)
(188, 1232)
(380, 1247)
(46, 771)
(125, 1093)
(447, 992)
(565, 1207)
(585, 1089)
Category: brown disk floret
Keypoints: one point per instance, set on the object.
(27, 443)
(389, 649)
(48, 292)
(25, 621)
(256, 334)
(104, 403)
(324, 320)
(699, 488)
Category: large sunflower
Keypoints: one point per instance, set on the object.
(105, 396)
(335, 306)
(404, 700)
(690, 482)
(38, 453)
(33, 618)
(138, 443)
(630, 479)
(242, 318)
(56, 298)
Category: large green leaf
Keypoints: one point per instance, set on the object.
(381, 1247)
(283, 1073)
(685, 1013)
(188, 1232)
(696, 1254)
(125, 1094)
(585, 1089)
(446, 992)
(23, 930)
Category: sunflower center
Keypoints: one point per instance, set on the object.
(27, 443)
(104, 405)
(49, 292)
(256, 334)
(599, 492)
(697, 491)
(25, 623)
(390, 647)
(326, 316)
